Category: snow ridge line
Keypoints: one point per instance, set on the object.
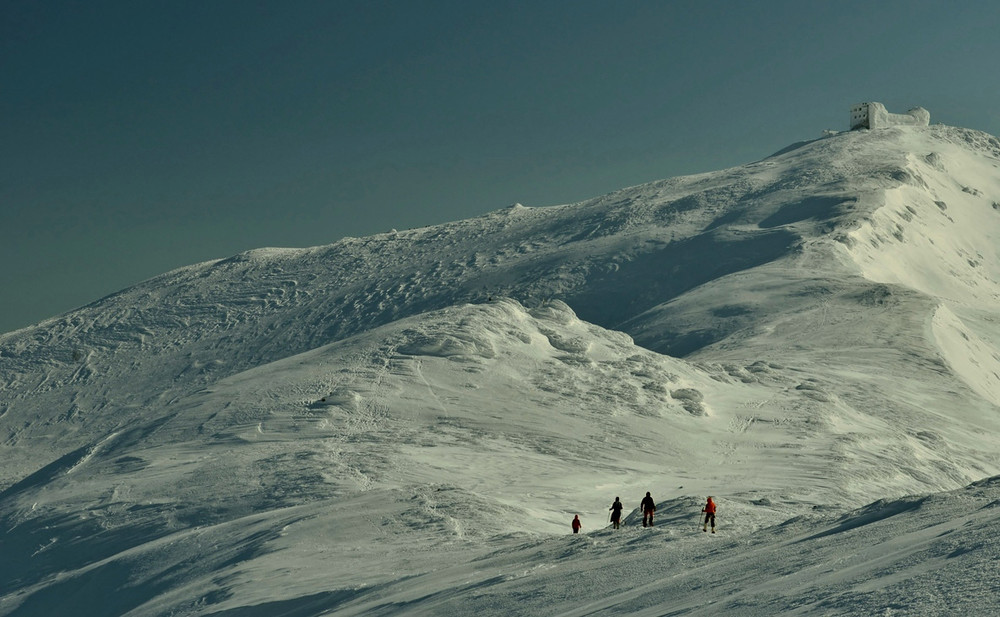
(89, 454)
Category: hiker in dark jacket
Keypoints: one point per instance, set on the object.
(648, 507)
(616, 513)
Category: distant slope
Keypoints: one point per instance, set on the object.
(630, 260)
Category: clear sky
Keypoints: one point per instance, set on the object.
(139, 136)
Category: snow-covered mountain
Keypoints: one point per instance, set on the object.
(407, 423)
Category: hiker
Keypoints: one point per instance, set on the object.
(648, 507)
(709, 511)
(577, 524)
(616, 513)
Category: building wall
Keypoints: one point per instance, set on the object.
(859, 116)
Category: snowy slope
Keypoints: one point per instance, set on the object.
(405, 424)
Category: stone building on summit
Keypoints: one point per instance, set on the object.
(876, 116)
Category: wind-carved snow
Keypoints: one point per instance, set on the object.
(972, 359)
(406, 423)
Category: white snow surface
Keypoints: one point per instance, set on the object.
(406, 424)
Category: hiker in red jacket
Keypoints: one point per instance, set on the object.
(709, 511)
(577, 524)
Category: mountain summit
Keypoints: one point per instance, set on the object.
(352, 428)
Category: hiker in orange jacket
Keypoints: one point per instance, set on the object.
(577, 524)
(709, 511)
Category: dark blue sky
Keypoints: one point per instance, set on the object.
(137, 137)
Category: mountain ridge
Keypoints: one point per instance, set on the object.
(618, 260)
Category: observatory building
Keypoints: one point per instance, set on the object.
(876, 116)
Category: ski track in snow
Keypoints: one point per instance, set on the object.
(406, 423)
